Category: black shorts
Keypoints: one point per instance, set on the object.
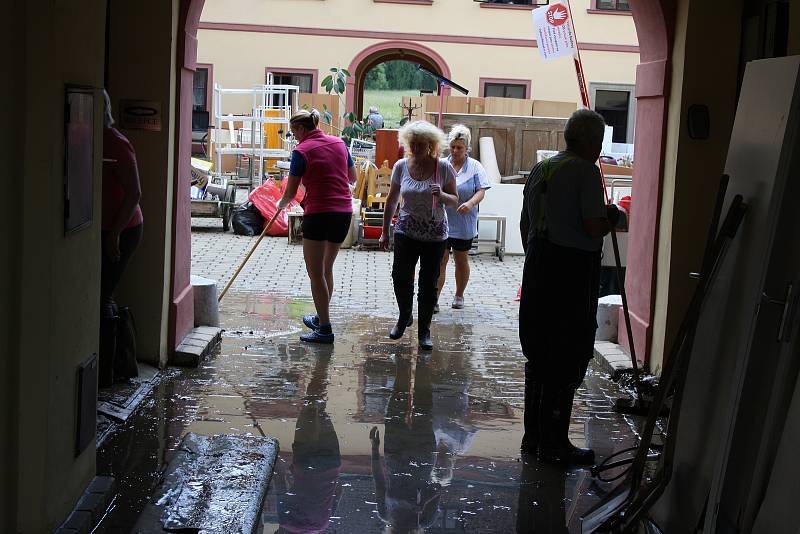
(460, 245)
(327, 226)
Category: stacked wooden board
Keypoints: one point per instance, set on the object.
(322, 102)
(492, 105)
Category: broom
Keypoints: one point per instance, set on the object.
(255, 245)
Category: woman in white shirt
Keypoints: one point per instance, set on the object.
(462, 219)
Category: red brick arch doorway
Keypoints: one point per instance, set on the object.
(379, 53)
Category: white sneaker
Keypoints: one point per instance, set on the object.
(458, 302)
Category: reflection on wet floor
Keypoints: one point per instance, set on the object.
(374, 436)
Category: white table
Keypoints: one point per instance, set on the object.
(499, 240)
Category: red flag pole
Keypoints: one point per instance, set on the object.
(441, 106)
(625, 312)
(582, 81)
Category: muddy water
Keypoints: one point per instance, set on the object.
(371, 431)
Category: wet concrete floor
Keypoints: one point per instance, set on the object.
(372, 432)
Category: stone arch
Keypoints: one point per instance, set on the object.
(386, 51)
(655, 21)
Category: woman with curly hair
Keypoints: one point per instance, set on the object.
(426, 184)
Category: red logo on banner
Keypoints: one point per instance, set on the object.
(557, 15)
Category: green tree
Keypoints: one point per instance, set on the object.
(376, 78)
(401, 75)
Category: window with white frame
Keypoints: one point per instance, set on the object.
(617, 104)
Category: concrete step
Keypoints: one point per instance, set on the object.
(196, 346)
(612, 358)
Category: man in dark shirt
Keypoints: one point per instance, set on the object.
(563, 221)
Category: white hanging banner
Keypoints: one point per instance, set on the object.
(554, 36)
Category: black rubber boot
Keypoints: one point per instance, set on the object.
(554, 445)
(425, 315)
(405, 304)
(533, 397)
(399, 329)
(108, 349)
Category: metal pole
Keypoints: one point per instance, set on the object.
(441, 105)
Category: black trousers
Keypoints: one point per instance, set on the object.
(407, 252)
(111, 271)
(558, 312)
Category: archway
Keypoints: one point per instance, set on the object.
(386, 51)
(388, 83)
(181, 311)
(654, 20)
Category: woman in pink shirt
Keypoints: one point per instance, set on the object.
(323, 165)
(121, 227)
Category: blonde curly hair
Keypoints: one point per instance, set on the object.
(421, 131)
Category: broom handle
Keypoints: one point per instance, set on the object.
(263, 233)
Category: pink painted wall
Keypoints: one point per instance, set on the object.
(654, 21)
(181, 313)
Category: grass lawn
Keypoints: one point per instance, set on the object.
(388, 102)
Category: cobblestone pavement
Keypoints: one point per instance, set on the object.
(362, 277)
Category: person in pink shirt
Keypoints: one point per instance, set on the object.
(121, 229)
(323, 165)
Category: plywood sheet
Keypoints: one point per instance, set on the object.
(617, 170)
(477, 105)
(456, 104)
(533, 140)
(496, 105)
(551, 108)
(431, 103)
(320, 102)
(411, 101)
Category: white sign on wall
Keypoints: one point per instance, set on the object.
(554, 36)
(140, 115)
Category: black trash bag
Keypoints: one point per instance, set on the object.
(125, 354)
(247, 220)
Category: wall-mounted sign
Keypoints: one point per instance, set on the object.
(140, 115)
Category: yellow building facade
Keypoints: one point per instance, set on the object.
(487, 48)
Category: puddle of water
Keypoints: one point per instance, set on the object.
(372, 433)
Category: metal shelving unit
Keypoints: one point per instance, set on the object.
(262, 137)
